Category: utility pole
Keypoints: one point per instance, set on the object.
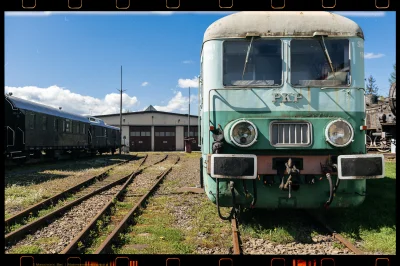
(120, 114)
(189, 117)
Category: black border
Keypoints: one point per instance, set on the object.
(203, 5)
(199, 5)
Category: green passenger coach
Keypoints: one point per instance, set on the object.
(282, 112)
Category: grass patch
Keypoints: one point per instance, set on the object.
(373, 223)
(22, 197)
(29, 249)
(158, 236)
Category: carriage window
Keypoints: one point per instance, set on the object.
(310, 66)
(68, 126)
(263, 67)
(55, 124)
(44, 122)
(63, 128)
(105, 132)
(77, 127)
(32, 121)
(83, 129)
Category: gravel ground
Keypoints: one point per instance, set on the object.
(322, 245)
(53, 238)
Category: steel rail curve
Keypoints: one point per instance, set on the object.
(35, 225)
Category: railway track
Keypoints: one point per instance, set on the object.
(124, 221)
(237, 250)
(13, 237)
(20, 216)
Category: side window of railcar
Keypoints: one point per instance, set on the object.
(263, 67)
(77, 128)
(68, 125)
(83, 129)
(32, 121)
(55, 124)
(63, 127)
(310, 67)
(44, 122)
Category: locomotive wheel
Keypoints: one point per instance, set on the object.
(369, 143)
(382, 144)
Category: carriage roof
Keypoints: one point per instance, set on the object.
(282, 24)
(44, 109)
(99, 122)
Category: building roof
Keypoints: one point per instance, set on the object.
(40, 108)
(282, 24)
(144, 112)
(150, 108)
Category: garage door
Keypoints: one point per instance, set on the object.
(140, 138)
(193, 135)
(164, 138)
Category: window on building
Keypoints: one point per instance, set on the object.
(168, 134)
(143, 134)
(148, 134)
(157, 134)
(162, 134)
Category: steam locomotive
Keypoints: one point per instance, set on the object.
(381, 121)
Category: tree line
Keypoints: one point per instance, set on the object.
(372, 89)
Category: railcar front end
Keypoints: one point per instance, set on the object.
(282, 111)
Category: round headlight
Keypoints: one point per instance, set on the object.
(339, 133)
(244, 133)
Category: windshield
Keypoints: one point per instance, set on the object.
(310, 66)
(252, 63)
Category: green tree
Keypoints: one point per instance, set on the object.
(371, 87)
(392, 78)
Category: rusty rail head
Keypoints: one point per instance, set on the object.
(106, 245)
(235, 237)
(335, 235)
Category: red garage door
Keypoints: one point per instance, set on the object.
(164, 138)
(140, 138)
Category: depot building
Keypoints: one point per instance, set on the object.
(152, 130)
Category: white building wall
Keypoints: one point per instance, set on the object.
(179, 138)
(152, 138)
(150, 119)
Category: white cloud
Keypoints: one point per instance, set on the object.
(361, 13)
(111, 13)
(188, 62)
(178, 103)
(73, 102)
(145, 83)
(186, 83)
(372, 55)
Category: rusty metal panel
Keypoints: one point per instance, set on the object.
(140, 138)
(194, 131)
(164, 138)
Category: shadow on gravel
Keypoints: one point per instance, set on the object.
(29, 175)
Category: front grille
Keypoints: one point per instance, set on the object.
(290, 134)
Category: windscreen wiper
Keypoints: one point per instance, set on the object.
(247, 56)
(322, 43)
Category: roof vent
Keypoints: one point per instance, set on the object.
(150, 108)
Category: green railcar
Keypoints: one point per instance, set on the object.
(282, 111)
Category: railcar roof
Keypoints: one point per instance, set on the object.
(40, 108)
(282, 24)
(99, 122)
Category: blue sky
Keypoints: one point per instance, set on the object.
(73, 60)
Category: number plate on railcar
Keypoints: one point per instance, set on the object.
(369, 166)
(234, 166)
